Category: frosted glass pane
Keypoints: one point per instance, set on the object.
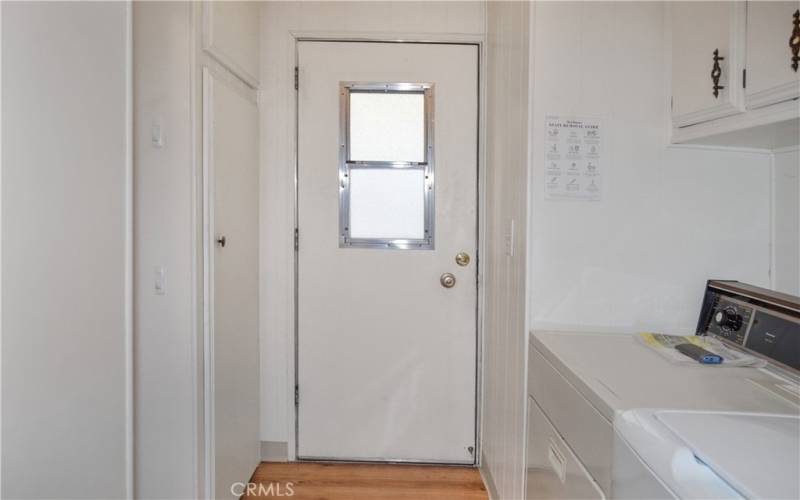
(387, 127)
(387, 203)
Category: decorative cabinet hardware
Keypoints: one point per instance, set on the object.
(221, 241)
(462, 259)
(448, 280)
(794, 40)
(716, 73)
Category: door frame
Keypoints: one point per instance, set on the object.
(477, 41)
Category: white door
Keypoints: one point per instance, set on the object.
(386, 351)
(230, 125)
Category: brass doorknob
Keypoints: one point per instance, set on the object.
(462, 259)
(448, 280)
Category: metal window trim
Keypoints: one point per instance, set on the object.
(345, 165)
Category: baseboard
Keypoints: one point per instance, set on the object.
(274, 451)
(487, 479)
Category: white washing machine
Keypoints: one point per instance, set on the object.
(583, 385)
(684, 454)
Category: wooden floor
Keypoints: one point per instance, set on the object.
(326, 481)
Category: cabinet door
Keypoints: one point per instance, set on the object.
(698, 30)
(770, 76)
(553, 471)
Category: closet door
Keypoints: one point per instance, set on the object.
(230, 152)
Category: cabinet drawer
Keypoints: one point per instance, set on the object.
(553, 470)
(588, 433)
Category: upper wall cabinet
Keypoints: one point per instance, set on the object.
(707, 60)
(231, 36)
(734, 73)
(772, 65)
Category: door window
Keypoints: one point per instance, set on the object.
(386, 189)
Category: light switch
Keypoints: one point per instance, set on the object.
(160, 280)
(157, 134)
(509, 239)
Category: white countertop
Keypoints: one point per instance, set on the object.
(615, 372)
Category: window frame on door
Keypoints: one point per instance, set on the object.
(346, 165)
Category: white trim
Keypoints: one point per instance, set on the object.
(733, 94)
(762, 116)
(488, 480)
(784, 92)
(1, 246)
(208, 285)
(482, 239)
(197, 305)
(667, 58)
(786, 149)
(274, 451)
(291, 346)
(217, 53)
(729, 149)
(223, 74)
(297, 36)
(386, 36)
(528, 258)
(772, 232)
(128, 238)
(715, 112)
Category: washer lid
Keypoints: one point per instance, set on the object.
(757, 454)
(716, 454)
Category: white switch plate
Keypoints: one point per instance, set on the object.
(160, 280)
(509, 239)
(157, 135)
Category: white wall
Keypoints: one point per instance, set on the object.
(786, 225)
(504, 326)
(171, 443)
(670, 218)
(167, 345)
(64, 253)
(428, 20)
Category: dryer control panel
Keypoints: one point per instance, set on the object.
(759, 320)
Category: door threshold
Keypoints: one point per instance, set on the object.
(384, 461)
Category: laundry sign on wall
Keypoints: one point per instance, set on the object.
(573, 147)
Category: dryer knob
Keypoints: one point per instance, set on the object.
(728, 319)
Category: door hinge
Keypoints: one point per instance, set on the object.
(744, 78)
(296, 78)
(296, 395)
(296, 239)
